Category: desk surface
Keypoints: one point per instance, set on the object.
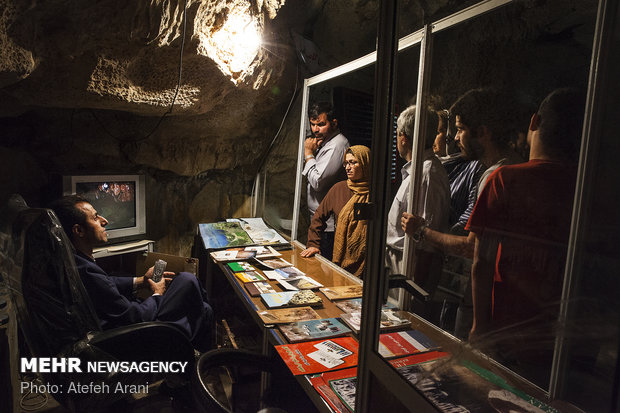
(329, 275)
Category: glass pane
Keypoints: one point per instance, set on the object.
(523, 51)
(351, 98)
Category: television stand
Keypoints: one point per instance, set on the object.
(123, 248)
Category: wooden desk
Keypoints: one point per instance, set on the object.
(330, 275)
(317, 268)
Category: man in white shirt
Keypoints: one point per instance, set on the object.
(434, 204)
(323, 157)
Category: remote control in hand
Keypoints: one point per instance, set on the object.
(158, 270)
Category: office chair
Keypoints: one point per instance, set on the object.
(57, 319)
(242, 368)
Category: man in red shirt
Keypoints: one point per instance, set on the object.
(521, 224)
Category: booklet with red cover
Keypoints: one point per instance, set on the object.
(319, 356)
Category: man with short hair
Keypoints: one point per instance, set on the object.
(479, 125)
(520, 226)
(435, 200)
(182, 302)
(323, 156)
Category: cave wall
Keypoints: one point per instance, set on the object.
(87, 89)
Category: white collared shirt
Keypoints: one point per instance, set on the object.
(323, 171)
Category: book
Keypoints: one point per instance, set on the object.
(263, 251)
(313, 329)
(240, 266)
(258, 231)
(288, 315)
(257, 288)
(343, 383)
(291, 298)
(249, 276)
(328, 394)
(223, 235)
(274, 263)
(342, 292)
(318, 356)
(235, 254)
(403, 343)
(461, 385)
(289, 272)
(300, 283)
(232, 254)
(353, 305)
(390, 319)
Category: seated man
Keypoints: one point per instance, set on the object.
(182, 302)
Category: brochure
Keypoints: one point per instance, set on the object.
(355, 305)
(404, 342)
(288, 315)
(390, 319)
(240, 266)
(223, 235)
(258, 231)
(313, 329)
(342, 292)
(249, 276)
(257, 288)
(291, 298)
(301, 283)
(318, 356)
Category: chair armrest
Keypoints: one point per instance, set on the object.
(154, 340)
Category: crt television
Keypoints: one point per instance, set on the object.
(118, 198)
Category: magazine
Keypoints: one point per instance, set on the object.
(300, 283)
(403, 343)
(240, 266)
(291, 298)
(462, 386)
(390, 319)
(313, 329)
(342, 292)
(237, 254)
(318, 356)
(328, 394)
(258, 231)
(257, 288)
(274, 263)
(288, 315)
(355, 305)
(283, 273)
(249, 276)
(223, 235)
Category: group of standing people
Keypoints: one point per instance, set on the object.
(507, 219)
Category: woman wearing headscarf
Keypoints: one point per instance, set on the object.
(350, 235)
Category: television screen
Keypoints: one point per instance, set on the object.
(118, 198)
(114, 200)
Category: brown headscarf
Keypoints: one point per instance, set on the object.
(350, 236)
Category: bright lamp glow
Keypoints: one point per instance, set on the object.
(234, 46)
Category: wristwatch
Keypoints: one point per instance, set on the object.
(418, 236)
(308, 157)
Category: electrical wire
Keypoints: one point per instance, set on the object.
(273, 141)
(174, 98)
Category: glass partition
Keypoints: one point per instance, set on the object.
(524, 50)
(351, 96)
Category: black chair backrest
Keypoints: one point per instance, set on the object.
(53, 308)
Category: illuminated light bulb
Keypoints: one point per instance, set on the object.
(234, 46)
